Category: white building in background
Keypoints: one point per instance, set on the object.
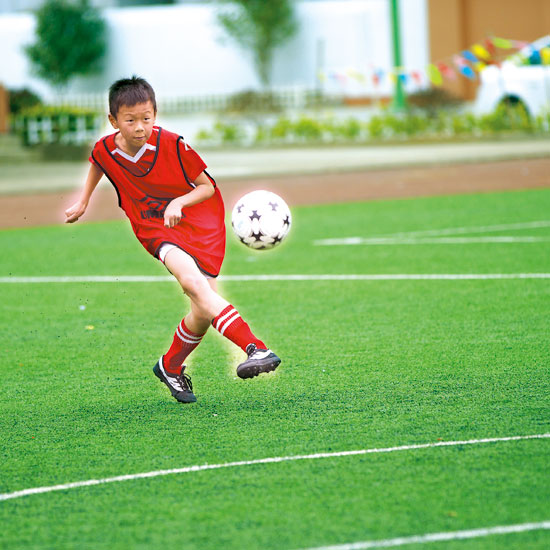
(182, 50)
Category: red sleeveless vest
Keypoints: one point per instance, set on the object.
(145, 190)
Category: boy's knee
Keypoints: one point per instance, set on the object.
(193, 285)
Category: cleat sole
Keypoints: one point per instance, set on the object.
(255, 369)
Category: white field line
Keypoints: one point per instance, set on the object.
(296, 277)
(271, 460)
(418, 237)
(386, 241)
(471, 229)
(439, 537)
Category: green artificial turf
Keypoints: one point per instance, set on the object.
(366, 364)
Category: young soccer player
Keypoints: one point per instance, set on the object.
(177, 214)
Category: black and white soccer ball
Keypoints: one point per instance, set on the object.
(261, 219)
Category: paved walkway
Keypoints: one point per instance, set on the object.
(239, 164)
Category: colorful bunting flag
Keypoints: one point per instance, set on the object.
(481, 52)
(459, 61)
(446, 71)
(490, 47)
(434, 75)
(502, 43)
(416, 76)
(535, 57)
(356, 75)
(467, 71)
(466, 63)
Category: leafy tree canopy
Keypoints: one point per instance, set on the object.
(70, 41)
(260, 26)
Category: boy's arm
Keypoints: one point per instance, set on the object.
(203, 191)
(78, 208)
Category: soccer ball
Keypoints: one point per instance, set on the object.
(261, 219)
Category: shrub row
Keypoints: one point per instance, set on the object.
(44, 125)
(387, 126)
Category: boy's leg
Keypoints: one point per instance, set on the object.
(187, 337)
(209, 305)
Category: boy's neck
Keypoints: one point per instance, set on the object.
(121, 143)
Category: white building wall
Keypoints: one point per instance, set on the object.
(183, 51)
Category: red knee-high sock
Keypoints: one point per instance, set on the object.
(231, 325)
(183, 344)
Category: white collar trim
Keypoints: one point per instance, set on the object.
(138, 155)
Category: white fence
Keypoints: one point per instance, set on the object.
(63, 129)
(277, 99)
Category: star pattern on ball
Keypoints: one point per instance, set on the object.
(254, 216)
(286, 221)
(257, 236)
(239, 208)
(273, 205)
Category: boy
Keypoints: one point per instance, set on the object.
(177, 213)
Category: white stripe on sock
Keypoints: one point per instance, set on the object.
(229, 322)
(186, 337)
(219, 321)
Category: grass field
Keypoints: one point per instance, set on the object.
(367, 364)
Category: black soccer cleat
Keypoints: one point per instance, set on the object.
(179, 384)
(259, 360)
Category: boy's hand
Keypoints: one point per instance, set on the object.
(75, 211)
(172, 214)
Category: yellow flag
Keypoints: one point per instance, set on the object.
(481, 52)
(545, 56)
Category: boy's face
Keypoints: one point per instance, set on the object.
(135, 124)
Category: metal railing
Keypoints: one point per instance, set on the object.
(277, 99)
(63, 129)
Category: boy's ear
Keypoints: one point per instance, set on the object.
(112, 120)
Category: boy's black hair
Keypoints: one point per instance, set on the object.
(130, 91)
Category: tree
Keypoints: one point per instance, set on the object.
(260, 26)
(70, 41)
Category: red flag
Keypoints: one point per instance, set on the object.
(446, 71)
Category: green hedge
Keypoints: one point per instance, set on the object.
(47, 125)
(387, 126)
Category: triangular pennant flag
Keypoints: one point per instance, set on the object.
(446, 71)
(467, 54)
(481, 52)
(342, 78)
(434, 75)
(459, 61)
(502, 43)
(468, 72)
(416, 76)
(356, 75)
(490, 47)
(535, 58)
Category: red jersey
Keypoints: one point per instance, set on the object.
(163, 169)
